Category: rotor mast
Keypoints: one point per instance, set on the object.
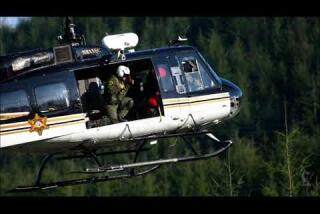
(71, 36)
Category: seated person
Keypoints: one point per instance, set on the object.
(117, 105)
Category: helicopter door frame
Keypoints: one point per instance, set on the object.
(172, 86)
(180, 85)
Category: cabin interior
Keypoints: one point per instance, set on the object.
(91, 82)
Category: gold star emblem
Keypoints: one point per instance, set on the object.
(38, 124)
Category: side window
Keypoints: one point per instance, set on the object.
(165, 77)
(207, 81)
(192, 73)
(209, 69)
(15, 101)
(195, 72)
(52, 97)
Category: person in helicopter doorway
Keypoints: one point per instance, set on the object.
(117, 104)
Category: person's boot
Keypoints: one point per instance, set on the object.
(121, 119)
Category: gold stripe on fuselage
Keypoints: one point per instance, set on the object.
(21, 125)
(52, 126)
(49, 121)
(197, 103)
(192, 99)
(73, 117)
(7, 116)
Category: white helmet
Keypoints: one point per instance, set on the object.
(122, 70)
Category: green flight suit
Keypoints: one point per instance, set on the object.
(117, 104)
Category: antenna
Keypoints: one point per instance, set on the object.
(70, 36)
(180, 38)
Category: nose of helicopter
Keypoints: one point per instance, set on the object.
(235, 96)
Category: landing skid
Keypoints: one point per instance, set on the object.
(73, 182)
(127, 170)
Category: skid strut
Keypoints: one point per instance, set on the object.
(128, 169)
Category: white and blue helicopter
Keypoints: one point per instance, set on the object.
(51, 103)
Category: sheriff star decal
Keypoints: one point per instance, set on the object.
(38, 124)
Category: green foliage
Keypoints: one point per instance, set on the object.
(273, 60)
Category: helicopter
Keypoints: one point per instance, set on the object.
(51, 103)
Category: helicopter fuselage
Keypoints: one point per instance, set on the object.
(55, 109)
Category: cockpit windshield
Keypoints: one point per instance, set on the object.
(198, 74)
(210, 69)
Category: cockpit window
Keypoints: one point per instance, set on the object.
(13, 102)
(192, 73)
(209, 68)
(165, 77)
(190, 65)
(52, 97)
(195, 72)
(207, 80)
